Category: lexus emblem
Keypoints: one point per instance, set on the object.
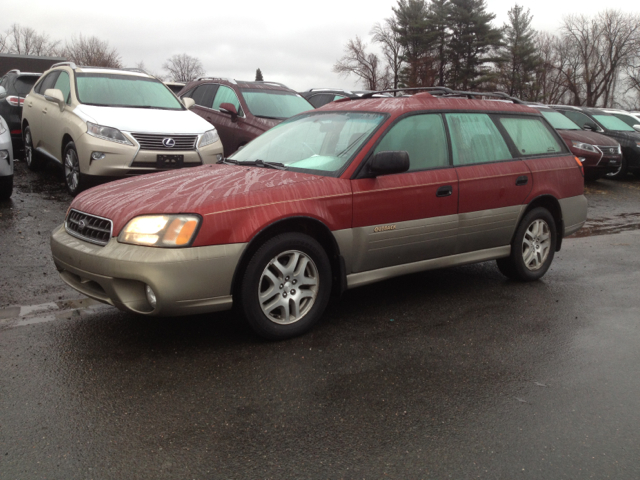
(82, 224)
(168, 142)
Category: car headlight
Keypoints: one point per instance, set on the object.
(584, 146)
(107, 133)
(209, 137)
(161, 230)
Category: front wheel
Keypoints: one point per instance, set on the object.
(73, 178)
(286, 286)
(532, 248)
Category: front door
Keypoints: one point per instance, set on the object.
(411, 216)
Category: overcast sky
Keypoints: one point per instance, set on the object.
(292, 42)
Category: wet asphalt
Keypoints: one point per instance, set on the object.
(454, 373)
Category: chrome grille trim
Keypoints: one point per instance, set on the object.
(96, 229)
(153, 141)
(608, 150)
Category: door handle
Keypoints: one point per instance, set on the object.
(522, 180)
(444, 191)
(44, 111)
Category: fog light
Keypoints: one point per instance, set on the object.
(97, 156)
(151, 296)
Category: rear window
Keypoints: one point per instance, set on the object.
(531, 136)
(24, 84)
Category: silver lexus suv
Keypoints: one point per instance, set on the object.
(103, 122)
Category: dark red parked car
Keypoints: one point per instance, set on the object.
(598, 153)
(353, 193)
(240, 110)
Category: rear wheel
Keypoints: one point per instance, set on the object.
(533, 247)
(73, 178)
(6, 187)
(286, 286)
(34, 162)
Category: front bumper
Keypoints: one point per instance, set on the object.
(185, 280)
(124, 160)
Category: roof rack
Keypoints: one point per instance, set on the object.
(137, 70)
(61, 64)
(447, 92)
(230, 80)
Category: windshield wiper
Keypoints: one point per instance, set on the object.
(253, 163)
(272, 118)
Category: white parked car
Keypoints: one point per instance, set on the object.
(103, 122)
(6, 161)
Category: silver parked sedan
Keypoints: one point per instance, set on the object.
(6, 161)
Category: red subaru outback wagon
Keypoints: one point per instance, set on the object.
(358, 191)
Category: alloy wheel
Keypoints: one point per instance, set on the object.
(536, 244)
(72, 169)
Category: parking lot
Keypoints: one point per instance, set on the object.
(455, 373)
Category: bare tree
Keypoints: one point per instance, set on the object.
(4, 44)
(91, 51)
(387, 36)
(356, 61)
(184, 68)
(26, 41)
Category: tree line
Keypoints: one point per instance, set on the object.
(590, 61)
(21, 40)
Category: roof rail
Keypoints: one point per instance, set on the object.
(230, 80)
(15, 70)
(137, 70)
(60, 64)
(447, 92)
(268, 82)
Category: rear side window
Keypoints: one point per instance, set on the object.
(531, 136)
(203, 95)
(475, 139)
(64, 86)
(225, 95)
(423, 137)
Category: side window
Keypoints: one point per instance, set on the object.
(321, 99)
(47, 82)
(423, 137)
(475, 139)
(62, 84)
(203, 95)
(580, 118)
(338, 97)
(531, 136)
(226, 95)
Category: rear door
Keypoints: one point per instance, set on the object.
(494, 182)
(54, 120)
(411, 216)
(37, 107)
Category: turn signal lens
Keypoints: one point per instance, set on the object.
(580, 165)
(160, 230)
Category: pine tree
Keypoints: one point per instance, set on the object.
(437, 29)
(473, 39)
(259, 76)
(519, 58)
(411, 25)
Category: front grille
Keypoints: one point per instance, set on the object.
(609, 150)
(88, 227)
(149, 141)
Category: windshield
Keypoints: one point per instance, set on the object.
(24, 84)
(559, 121)
(275, 103)
(316, 142)
(613, 123)
(114, 90)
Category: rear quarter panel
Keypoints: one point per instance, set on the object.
(559, 177)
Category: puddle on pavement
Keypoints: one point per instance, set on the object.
(21, 315)
(606, 226)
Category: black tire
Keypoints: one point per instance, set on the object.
(620, 173)
(31, 157)
(538, 226)
(74, 179)
(592, 176)
(6, 187)
(286, 285)
(636, 173)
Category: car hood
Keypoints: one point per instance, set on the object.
(143, 120)
(202, 190)
(591, 138)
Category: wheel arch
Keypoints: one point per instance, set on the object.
(301, 224)
(66, 138)
(550, 203)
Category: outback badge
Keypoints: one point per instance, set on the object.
(384, 228)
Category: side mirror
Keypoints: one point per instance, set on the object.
(188, 102)
(230, 109)
(636, 128)
(387, 163)
(55, 96)
(3, 93)
(589, 126)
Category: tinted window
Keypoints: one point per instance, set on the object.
(63, 85)
(47, 82)
(322, 99)
(423, 137)
(613, 123)
(531, 136)
(203, 95)
(475, 139)
(580, 119)
(121, 90)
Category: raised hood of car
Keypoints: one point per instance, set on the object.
(592, 138)
(202, 190)
(144, 120)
